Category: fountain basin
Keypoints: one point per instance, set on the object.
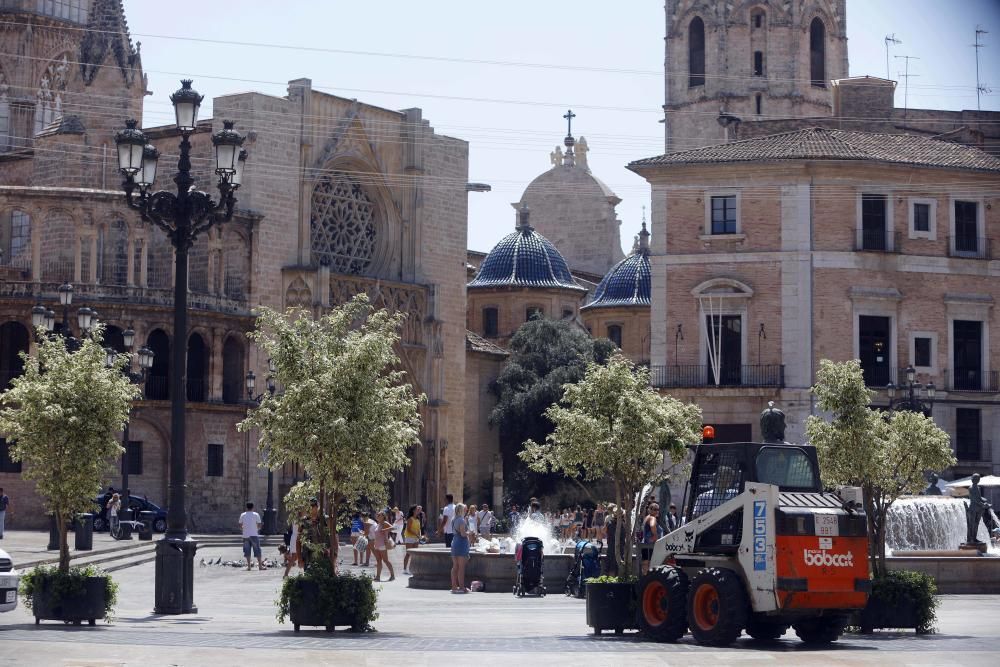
(430, 567)
(954, 574)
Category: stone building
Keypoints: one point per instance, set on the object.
(339, 197)
(770, 254)
(726, 61)
(619, 310)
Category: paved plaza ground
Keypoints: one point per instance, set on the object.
(235, 625)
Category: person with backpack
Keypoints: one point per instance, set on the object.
(651, 531)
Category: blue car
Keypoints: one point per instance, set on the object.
(136, 504)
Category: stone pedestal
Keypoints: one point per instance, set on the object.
(977, 547)
(174, 577)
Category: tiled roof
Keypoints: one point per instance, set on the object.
(476, 343)
(626, 284)
(824, 144)
(524, 258)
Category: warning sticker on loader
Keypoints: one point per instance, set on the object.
(760, 535)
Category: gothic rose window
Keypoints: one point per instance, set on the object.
(342, 226)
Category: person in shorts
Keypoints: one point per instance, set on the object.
(357, 530)
(447, 519)
(411, 534)
(250, 524)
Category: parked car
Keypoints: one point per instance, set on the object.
(9, 580)
(136, 504)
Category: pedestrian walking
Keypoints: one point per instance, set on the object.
(459, 551)
(381, 533)
(4, 508)
(411, 534)
(250, 524)
(113, 506)
(473, 523)
(357, 530)
(447, 519)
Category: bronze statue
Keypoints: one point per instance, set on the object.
(977, 508)
(932, 489)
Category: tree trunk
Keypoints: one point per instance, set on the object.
(874, 520)
(882, 569)
(62, 527)
(331, 527)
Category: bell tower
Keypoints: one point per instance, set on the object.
(728, 62)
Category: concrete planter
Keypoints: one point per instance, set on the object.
(880, 614)
(611, 607)
(86, 605)
(306, 609)
(431, 569)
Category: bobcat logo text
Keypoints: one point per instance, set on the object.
(821, 557)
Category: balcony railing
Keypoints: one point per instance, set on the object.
(972, 379)
(876, 240)
(880, 376)
(979, 451)
(686, 375)
(970, 247)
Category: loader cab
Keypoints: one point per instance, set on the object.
(720, 473)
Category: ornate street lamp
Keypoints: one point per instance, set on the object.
(269, 520)
(916, 397)
(183, 216)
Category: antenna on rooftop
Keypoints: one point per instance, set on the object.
(889, 39)
(906, 76)
(980, 87)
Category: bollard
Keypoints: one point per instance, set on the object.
(146, 529)
(53, 534)
(84, 532)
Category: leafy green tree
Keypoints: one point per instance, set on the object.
(884, 454)
(345, 413)
(612, 425)
(545, 355)
(63, 415)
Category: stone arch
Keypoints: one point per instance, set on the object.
(157, 378)
(722, 287)
(14, 339)
(233, 369)
(197, 368)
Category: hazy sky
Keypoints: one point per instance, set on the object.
(603, 59)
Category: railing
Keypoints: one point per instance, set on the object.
(157, 388)
(93, 295)
(980, 451)
(196, 390)
(880, 376)
(970, 247)
(686, 375)
(972, 379)
(232, 392)
(876, 240)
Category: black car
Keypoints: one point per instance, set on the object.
(136, 504)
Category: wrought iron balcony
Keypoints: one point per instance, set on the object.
(686, 375)
(876, 240)
(972, 379)
(878, 377)
(970, 247)
(976, 450)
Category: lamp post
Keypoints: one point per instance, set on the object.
(45, 318)
(145, 357)
(270, 519)
(914, 394)
(183, 216)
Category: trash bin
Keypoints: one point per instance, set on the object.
(146, 529)
(84, 532)
(53, 534)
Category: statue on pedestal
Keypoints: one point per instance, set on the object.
(932, 488)
(977, 508)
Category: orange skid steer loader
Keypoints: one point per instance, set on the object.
(763, 548)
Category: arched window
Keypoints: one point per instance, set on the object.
(817, 53)
(696, 53)
(491, 321)
(157, 385)
(112, 254)
(13, 341)
(615, 334)
(758, 19)
(232, 371)
(343, 225)
(15, 249)
(197, 364)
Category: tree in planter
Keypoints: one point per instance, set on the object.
(346, 415)
(63, 414)
(612, 425)
(884, 454)
(545, 356)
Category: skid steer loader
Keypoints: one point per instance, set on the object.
(763, 548)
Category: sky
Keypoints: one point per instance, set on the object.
(501, 75)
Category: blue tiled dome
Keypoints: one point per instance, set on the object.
(626, 284)
(524, 259)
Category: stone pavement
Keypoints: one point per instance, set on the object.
(235, 624)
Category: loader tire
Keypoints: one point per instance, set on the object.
(663, 604)
(766, 631)
(717, 607)
(821, 631)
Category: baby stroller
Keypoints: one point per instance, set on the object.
(586, 564)
(528, 557)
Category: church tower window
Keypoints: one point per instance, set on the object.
(757, 103)
(491, 322)
(817, 53)
(758, 63)
(615, 334)
(342, 226)
(696, 53)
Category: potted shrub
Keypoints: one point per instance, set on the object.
(321, 597)
(612, 426)
(62, 415)
(901, 599)
(346, 417)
